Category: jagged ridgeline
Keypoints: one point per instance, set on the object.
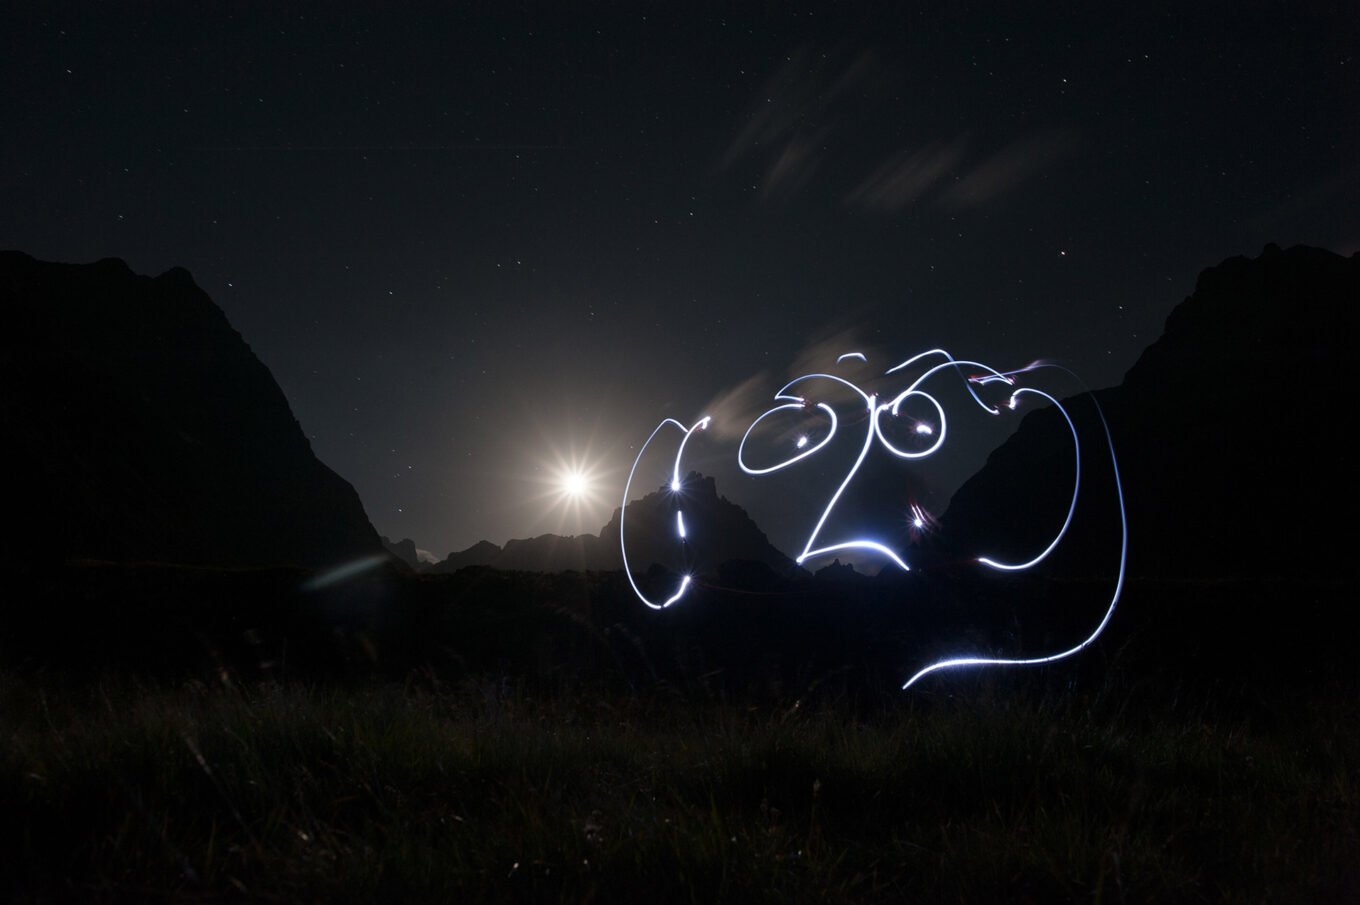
(139, 426)
(721, 532)
(1234, 433)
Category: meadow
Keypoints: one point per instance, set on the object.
(1050, 787)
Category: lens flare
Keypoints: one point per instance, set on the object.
(569, 489)
(575, 484)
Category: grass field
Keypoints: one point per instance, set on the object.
(132, 791)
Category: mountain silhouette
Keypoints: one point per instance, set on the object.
(1233, 435)
(142, 427)
(482, 553)
(404, 550)
(718, 531)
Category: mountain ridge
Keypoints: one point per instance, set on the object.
(719, 531)
(151, 431)
(1230, 441)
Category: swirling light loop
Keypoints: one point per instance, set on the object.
(961, 662)
(892, 408)
(920, 519)
(806, 450)
(1072, 507)
(679, 517)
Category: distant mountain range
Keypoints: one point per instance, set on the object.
(138, 425)
(719, 531)
(1231, 432)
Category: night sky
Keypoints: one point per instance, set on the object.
(474, 246)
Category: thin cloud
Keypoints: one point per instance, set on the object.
(737, 407)
(1008, 168)
(793, 115)
(793, 167)
(906, 176)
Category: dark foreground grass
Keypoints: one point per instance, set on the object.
(123, 791)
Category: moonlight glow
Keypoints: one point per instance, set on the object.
(575, 484)
(568, 490)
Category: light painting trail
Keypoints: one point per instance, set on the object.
(675, 486)
(962, 662)
(919, 520)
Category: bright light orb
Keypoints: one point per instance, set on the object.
(575, 485)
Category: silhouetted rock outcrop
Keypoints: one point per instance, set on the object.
(717, 531)
(482, 553)
(1232, 431)
(142, 427)
(545, 553)
(837, 571)
(404, 550)
(554, 553)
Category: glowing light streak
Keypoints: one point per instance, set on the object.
(859, 355)
(343, 572)
(960, 662)
(920, 520)
(917, 357)
(798, 402)
(949, 360)
(679, 592)
(956, 364)
(1076, 487)
(800, 405)
(701, 424)
(859, 543)
(918, 517)
(892, 409)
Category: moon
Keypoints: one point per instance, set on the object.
(575, 484)
(571, 489)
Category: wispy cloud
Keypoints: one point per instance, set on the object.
(941, 173)
(906, 176)
(793, 167)
(817, 115)
(793, 116)
(735, 408)
(1016, 163)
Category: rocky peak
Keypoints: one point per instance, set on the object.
(145, 428)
